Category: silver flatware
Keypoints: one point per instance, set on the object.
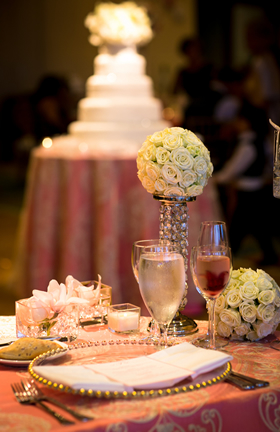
(257, 382)
(24, 397)
(245, 382)
(36, 392)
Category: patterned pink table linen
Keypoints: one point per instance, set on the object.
(220, 408)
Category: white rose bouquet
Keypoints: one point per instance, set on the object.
(174, 162)
(249, 308)
(124, 23)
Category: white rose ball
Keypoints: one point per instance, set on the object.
(224, 329)
(235, 274)
(200, 165)
(265, 312)
(266, 296)
(263, 283)
(220, 304)
(158, 137)
(179, 130)
(248, 311)
(277, 298)
(233, 284)
(171, 173)
(194, 149)
(252, 336)
(242, 329)
(230, 317)
(263, 274)
(249, 275)
(189, 177)
(172, 141)
(262, 329)
(147, 151)
(182, 158)
(190, 138)
(248, 291)
(160, 185)
(162, 155)
(149, 184)
(194, 190)
(233, 298)
(174, 190)
(152, 170)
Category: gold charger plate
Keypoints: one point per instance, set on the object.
(116, 350)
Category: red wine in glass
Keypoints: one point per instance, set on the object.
(211, 269)
(212, 274)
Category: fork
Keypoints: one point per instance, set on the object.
(31, 387)
(25, 397)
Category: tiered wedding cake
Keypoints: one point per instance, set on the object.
(120, 110)
(119, 103)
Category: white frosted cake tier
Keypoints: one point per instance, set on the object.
(132, 132)
(116, 86)
(124, 109)
(124, 62)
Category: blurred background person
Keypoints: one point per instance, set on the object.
(192, 88)
(241, 178)
(26, 119)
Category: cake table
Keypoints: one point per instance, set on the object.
(81, 215)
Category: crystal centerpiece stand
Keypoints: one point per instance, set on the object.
(173, 226)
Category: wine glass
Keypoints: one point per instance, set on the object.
(211, 232)
(162, 283)
(211, 268)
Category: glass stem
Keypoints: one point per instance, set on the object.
(208, 310)
(212, 323)
(163, 334)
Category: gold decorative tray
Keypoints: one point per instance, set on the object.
(108, 351)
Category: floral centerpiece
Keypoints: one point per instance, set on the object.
(55, 312)
(124, 24)
(174, 162)
(249, 308)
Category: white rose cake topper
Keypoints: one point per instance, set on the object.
(249, 308)
(174, 162)
(124, 23)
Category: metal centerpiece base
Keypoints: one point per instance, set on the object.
(174, 227)
(181, 325)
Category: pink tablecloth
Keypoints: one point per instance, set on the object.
(81, 216)
(219, 408)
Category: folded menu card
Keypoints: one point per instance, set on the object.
(162, 369)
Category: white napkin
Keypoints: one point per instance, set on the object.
(187, 356)
(161, 369)
(78, 377)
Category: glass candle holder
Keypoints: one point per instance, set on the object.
(123, 318)
(39, 322)
(97, 313)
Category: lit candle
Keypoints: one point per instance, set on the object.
(123, 321)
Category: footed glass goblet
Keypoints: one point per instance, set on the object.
(162, 283)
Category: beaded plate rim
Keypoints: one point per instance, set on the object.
(120, 395)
